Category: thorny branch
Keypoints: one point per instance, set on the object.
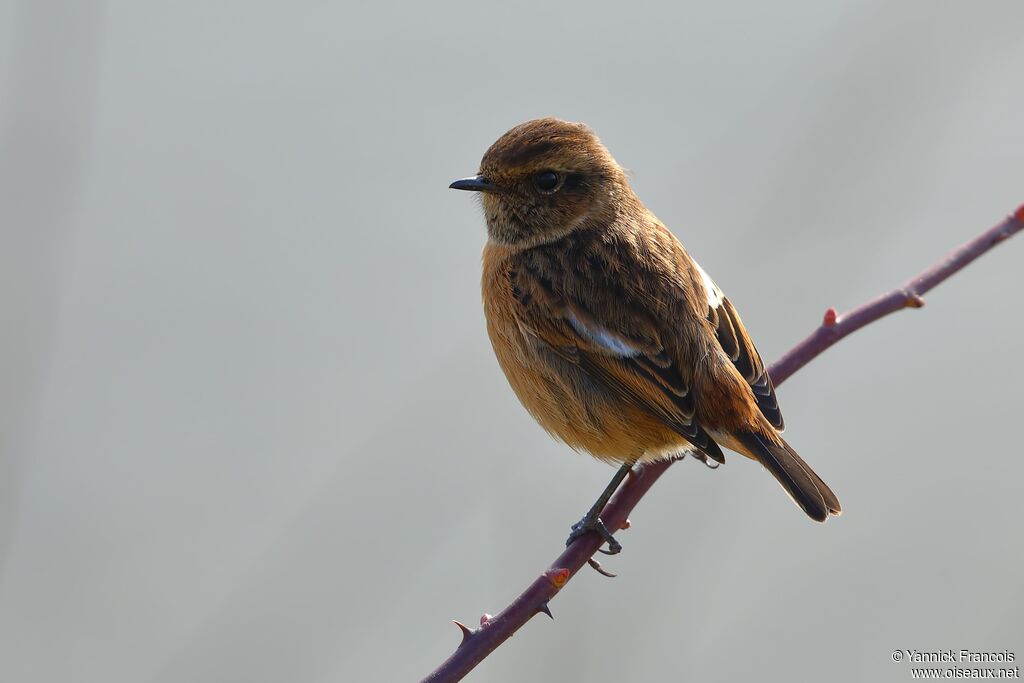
(477, 643)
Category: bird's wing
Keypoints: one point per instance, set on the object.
(738, 346)
(625, 356)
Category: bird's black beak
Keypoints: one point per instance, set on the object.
(475, 183)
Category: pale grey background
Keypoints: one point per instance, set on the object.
(251, 426)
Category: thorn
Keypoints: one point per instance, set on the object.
(466, 631)
(625, 524)
(485, 618)
(557, 577)
(831, 317)
(914, 300)
(599, 569)
(543, 609)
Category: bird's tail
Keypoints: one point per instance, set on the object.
(801, 483)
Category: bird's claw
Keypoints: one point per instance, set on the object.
(588, 524)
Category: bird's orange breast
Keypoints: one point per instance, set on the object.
(558, 394)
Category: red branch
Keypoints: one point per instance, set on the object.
(478, 643)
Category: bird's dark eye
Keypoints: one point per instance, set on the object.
(547, 181)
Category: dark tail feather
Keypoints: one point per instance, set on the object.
(796, 476)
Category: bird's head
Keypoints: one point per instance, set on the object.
(543, 179)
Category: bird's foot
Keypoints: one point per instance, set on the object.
(592, 522)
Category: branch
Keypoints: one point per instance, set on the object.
(834, 327)
(493, 631)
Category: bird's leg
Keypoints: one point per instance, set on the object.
(592, 520)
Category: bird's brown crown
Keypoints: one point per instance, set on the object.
(548, 177)
(547, 142)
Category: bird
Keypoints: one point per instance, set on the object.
(610, 334)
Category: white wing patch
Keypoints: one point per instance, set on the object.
(715, 295)
(603, 338)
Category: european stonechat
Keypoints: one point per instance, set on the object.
(611, 335)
